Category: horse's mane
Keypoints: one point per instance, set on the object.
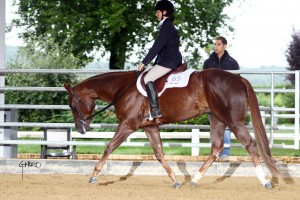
(110, 74)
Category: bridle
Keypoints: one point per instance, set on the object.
(84, 119)
(76, 99)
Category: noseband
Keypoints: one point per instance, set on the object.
(82, 118)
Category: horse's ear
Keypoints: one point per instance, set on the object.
(68, 87)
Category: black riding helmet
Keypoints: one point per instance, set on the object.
(165, 5)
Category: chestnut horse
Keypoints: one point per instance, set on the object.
(225, 96)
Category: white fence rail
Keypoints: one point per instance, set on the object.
(275, 131)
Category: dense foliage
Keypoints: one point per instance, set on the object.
(119, 28)
(293, 54)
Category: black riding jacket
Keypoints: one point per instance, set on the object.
(166, 47)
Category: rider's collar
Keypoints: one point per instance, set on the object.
(161, 22)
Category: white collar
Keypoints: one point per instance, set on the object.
(161, 22)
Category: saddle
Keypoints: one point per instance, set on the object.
(160, 82)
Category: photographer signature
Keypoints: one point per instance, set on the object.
(28, 164)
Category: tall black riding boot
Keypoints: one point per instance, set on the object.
(153, 100)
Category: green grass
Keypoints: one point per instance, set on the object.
(148, 150)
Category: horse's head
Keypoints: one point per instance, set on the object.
(82, 108)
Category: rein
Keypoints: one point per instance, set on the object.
(83, 118)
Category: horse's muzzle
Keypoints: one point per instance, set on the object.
(83, 127)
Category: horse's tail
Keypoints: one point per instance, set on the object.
(259, 130)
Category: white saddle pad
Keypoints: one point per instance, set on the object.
(177, 80)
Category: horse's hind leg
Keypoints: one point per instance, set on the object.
(217, 129)
(243, 136)
(120, 136)
(156, 144)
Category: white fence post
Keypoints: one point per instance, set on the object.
(195, 139)
(11, 151)
(297, 109)
(272, 112)
(2, 66)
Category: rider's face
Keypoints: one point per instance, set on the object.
(159, 14)
(219, 47)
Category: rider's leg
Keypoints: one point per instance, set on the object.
(153, 100)
(156, 72)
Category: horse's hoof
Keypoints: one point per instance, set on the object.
(93, 180)
(193, 184)
(268, 185)
(176, 185)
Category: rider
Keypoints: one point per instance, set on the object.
(166, 48)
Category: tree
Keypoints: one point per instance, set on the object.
(120, 27)
(49, 56)
(293, 55)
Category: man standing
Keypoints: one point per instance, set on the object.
(221, 59)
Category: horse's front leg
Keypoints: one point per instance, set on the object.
(156, 144)
(120, 136)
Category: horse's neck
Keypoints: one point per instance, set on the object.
(106, 87)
